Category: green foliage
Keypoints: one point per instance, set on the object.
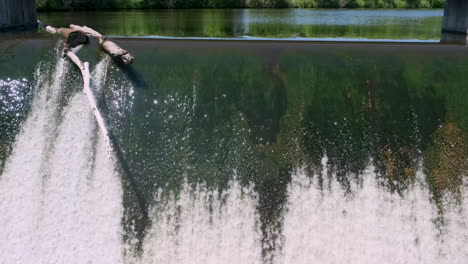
(134, 4)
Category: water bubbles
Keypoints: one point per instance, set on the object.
(155, 102)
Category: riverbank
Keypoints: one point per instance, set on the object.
(53, 5)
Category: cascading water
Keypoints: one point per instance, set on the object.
(371, 225)
(319, 226)
(59, 194)
(61, 201)
(203, 226)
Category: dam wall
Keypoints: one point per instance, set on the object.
(18, 14)
(455, 23)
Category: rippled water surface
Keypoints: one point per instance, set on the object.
(261, 23)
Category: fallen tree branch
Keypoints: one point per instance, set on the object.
(141, 216)
(84, 68)
(137, 206)
(108, 45)
(87, 30)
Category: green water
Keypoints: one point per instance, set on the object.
(261, 23)
(209, 109)
(212, 111)
(261, 111)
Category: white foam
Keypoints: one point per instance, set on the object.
(371, 225)
(199, 227)
(60, 198)
(21, 181)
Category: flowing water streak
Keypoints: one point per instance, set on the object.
(61, 202)
(60, 196)
(205, 226)
(371, 225)
(20, 182)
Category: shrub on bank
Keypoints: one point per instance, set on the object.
(133, 4)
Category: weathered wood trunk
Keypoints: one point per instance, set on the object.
(108, 45)
(18, 14)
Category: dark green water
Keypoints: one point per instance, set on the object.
(207, 109)
(256, 112)
(261, 23)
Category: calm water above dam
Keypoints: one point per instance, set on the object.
(261, 23)
(235, 151)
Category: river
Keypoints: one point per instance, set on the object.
(241, 151)
(298, 24)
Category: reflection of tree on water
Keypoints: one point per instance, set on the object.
(234, 114)
(273, 23)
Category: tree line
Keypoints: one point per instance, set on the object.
(45, 5)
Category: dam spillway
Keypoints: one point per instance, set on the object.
(246, 152)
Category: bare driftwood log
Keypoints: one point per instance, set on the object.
(139, 214)
(108, 45)
(84, 68)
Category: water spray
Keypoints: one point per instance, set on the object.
(75, 37)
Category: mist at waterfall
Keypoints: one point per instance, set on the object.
(60, 197)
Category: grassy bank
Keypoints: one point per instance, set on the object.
(46, 5)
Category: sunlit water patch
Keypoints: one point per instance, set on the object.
(14, 102)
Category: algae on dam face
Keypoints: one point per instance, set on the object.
(274, 109)
(238, 142)
(264, 109)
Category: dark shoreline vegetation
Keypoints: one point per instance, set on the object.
(51, 5)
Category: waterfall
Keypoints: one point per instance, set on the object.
(370, 225)
(60, 197)
(61, 201)
(205, 226)
(367, 225)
